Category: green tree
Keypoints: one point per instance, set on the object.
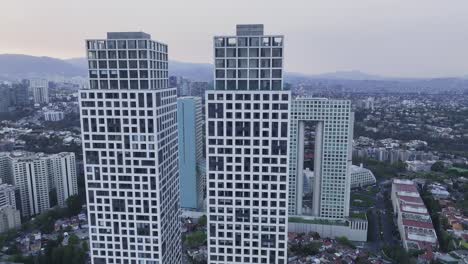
(398, 254)
(345, 241)
(85, 246)
(73, 205)
(73, 240)
(438, 166)
(195, 239)
(202, 221)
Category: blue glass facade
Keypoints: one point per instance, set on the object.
(190, 125)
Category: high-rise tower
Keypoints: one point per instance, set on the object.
(247, 127)
(191, 143)
(129, 132)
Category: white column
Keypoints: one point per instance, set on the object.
(317, 169)
(300, 166)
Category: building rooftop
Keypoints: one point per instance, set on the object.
(249, 30)
(128, 35)
(417, 224)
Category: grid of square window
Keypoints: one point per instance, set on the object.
(131, 156)
(248, 63)
(247, 169)
(137, 64)
(337, 135)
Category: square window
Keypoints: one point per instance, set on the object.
(253, 63)
(220, 74)
(266, 52)
(220, 85)
(253, 52)
(253, 84)
(132, 44)
(242, 52)
(121, 44)
(219, 42)
(220, 63)
(220, 53)
(277, 52)
(253, 73)
(230, 52)
(242, 63)
(254, 42)
(242, 42)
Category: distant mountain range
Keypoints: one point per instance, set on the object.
(13, 66)
(16, 66)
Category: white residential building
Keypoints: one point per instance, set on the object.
(420, 166)
(361, 176)
(53, 116)
(30, 176)
(247, 124)
(36, 174)
(62, 176)
(40, 90)
(413, 219)
(6, 172)
(10, 216)
(129, 135)
(7, 195)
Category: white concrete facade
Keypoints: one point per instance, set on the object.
(129, 135)
(334, 133)
(247, 126)
(30, 176)
(62, 172)
(53, 116)
(36, 174)
(40, 90)
(355, 230)
(361, 176)
(9, 218)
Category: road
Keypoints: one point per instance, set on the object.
(381, 227)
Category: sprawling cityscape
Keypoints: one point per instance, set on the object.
(127, 157)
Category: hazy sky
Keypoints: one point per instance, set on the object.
(410, 38)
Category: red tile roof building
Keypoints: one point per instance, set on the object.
(413, 219)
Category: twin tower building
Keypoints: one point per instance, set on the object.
(254, 152)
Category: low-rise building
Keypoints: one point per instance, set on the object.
(413, 220)
(361, 176)
(420, 166)
(53, 116)
(438, 191)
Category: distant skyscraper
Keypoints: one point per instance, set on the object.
(40, 90)
(247, 150)
(21, 93)
(4, 98)
(129, 131)
(192, 181)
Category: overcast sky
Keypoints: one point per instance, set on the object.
(405, 38)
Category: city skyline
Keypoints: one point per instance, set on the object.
(413, 39)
